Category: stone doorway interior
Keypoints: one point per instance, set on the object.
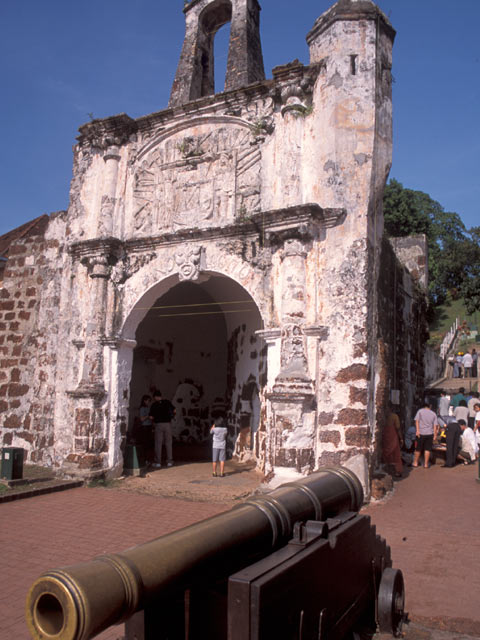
(197, 343)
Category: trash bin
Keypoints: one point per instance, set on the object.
(134, 460)
(12, 463)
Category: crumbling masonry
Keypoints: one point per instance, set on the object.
(229, 250)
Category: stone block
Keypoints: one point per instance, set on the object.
(12, 421)
(16, 390)
(381, 484)
(330, 435)
(358, 437)
(358, 395)
(325, 418)
(352, 373)
(352, 416)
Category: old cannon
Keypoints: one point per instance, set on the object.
(297, 563)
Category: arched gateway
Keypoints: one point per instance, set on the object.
(229, 250)
(198, 342)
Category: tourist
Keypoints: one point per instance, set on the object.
(467, 364)
(474, 364)
(219, 445)
(162, 412)
(461, 411)
(468, 444)
(477, 418)
(392, 441)
(471, 409)
(457, 365)
(426, 427)
(443, 405)
(460, 395)
(476, 428)
(145, 430)
(453, 433)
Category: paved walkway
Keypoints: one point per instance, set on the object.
(431, 522)
(45, 532)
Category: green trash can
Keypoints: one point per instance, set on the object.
(134, 460)
(12, 463)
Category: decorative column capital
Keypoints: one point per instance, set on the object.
(98, 255)
(112, 153)
(294, 247)
(98, 266)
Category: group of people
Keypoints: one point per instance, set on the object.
(459, 419)
(455, 424)
(155, 420)
(465, 365)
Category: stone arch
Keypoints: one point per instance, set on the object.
(195, 72)
(197, 341)
(187, 125)
(212, 18)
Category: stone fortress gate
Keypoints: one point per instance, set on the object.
(226, 250)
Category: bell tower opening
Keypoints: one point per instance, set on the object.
(197, 344)
(195, 76)
(220, 52)
(214, 17)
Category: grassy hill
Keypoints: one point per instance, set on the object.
(444, 317)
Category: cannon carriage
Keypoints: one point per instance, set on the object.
(298, 563)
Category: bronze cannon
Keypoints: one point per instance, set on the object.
(297, 563)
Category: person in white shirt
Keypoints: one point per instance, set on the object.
(426, 429)
(471, 409)
(467, 364)
(220, 432)
(461, 412)
(476, 428)
(443, 406)
(468, 443)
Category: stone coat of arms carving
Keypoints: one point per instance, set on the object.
(205, 178)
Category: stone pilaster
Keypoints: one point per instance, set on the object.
(90, 443)
(108, 203)
(92, 371)
(293, 377)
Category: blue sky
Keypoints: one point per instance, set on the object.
(62, 61)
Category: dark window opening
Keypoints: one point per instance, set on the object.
(353, 64)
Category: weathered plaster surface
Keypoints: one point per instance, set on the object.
(267, 196)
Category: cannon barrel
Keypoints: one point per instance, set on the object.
(78, 602)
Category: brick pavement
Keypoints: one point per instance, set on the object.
(59, 529)
(431, 522)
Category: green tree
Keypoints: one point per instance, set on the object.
(454, 251)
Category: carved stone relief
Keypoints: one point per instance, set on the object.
(188, 261)
(198, 181)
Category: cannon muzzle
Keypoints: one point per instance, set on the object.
(78, 602)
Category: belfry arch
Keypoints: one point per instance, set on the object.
(197, 342)
(195, 72)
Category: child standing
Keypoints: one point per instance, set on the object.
(219, 431)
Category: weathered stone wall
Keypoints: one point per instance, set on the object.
(268, 197)
(403, 333)
(28, 346)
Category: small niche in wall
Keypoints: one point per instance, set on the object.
(353, 64)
